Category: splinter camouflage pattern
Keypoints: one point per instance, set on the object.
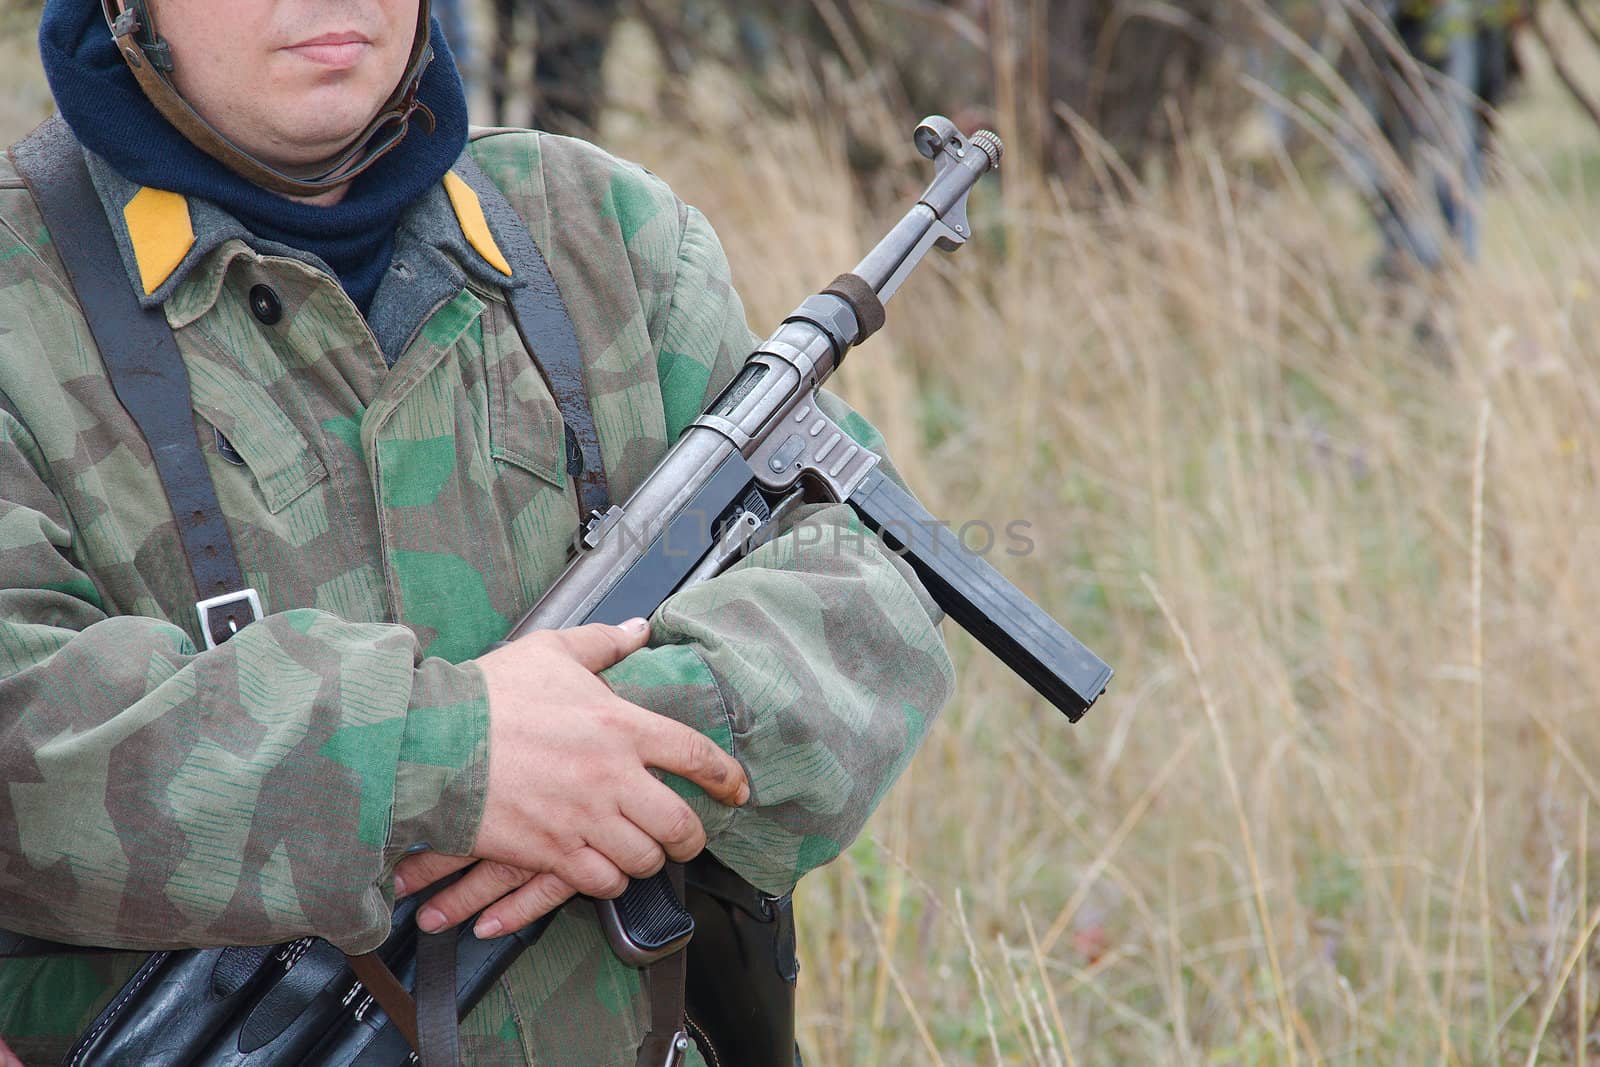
(154, 796)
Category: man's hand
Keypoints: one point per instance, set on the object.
(509, 898)
(572, 805)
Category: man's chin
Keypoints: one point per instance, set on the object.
(311, 148)
(320, 118)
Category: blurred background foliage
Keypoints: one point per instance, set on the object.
(1107, 64)
(1072, 78)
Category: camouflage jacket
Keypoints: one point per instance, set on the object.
(395, 489)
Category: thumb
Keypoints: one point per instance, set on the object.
(598, 645)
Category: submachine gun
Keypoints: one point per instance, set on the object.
(762, 448)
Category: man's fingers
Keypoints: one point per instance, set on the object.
(478, 888)
(672, 746)
(418, 872)
(664, 815)
(8, 1058)
(635, 852)
(543, 894)
(592, 874)
(598, 646)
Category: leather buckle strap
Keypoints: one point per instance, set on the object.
(142, 360)
(223, 616)
(438, 1017)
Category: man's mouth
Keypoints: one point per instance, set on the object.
(339, 50)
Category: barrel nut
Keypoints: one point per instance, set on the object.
(988, 142)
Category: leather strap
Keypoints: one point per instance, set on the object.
(389, 993)
(139, 351)
(438, 1028)
(667, 1042)
(547, 330)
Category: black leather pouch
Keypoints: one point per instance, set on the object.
(743, 970)
(294, 1003)
(236, 1006)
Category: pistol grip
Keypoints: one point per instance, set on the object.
(647, 922)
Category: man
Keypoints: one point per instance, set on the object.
(394, 476)
(1431, 99)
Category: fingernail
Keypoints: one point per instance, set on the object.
(744, 794)
(431, 920)
(638, 626)
(486, 929)
(399, 887)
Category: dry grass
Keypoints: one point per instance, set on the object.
(1336, 807)
(24, 99)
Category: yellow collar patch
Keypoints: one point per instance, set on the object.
(161, 233)
(469, 212)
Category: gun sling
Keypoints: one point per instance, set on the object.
(148, 375)
(143, 361)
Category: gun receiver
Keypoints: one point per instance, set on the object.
(764, 445)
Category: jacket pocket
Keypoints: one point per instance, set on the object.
(525, 425)
(278, 458)
(527, 446)
(239, 421)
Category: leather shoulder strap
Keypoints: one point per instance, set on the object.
(547, 330)
(140, 355)
(438, 1015)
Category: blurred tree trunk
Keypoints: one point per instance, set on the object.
(1136, 72)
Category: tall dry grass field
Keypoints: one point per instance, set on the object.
(1339, 541)
(1339, 803)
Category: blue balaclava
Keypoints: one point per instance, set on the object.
(113, 117)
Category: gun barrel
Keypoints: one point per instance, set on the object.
(887, 259)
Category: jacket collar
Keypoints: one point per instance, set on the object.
(169, 241)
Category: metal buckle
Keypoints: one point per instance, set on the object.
(678, 1050)
(246, 598)
(125, 22)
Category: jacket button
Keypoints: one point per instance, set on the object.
(266, 305)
